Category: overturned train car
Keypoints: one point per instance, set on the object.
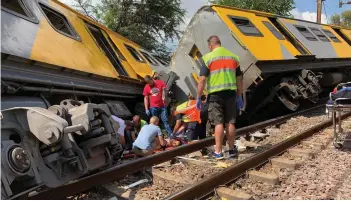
(62, 77)
(286, 62)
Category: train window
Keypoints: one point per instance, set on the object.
(319, 34)
(196, 55)
(245, 26)
(17, 7)
(149, 58)
(158, 58)
(119, 53)
(134, 53)
(274, 31)
(59, 22)
(331, 36)
(306, 33)
(106, 48)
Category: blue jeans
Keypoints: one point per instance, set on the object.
(162, 114)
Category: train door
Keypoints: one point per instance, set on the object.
(106, 47)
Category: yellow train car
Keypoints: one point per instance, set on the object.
(63, 76)
(285, 61)
(50, 48)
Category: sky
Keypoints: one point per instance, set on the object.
(305, 9)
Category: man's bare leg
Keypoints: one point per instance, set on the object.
(230, 135)
(219, 135)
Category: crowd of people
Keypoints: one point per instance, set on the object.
(143, 138)
(221, 69)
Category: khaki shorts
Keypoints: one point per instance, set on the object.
(146, 152)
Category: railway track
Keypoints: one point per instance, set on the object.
(129, 168)
(267, 167)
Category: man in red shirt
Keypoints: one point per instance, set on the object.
(155, 95)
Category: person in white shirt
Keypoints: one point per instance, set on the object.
(123, 127)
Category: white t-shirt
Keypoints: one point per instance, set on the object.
(122, 125)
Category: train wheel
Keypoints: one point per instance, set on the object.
(287, 101)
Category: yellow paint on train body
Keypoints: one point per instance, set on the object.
(266, 46)
(84, 55)
(55, 48)
(342, 49)
(258, 45)
(347, 33)
(142, 67)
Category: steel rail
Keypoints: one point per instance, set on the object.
(122, 170)
(206, 186)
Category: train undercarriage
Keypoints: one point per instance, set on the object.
(281, 93)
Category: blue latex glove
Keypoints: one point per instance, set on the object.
(147, 112)
(239, 103)
(198, 104)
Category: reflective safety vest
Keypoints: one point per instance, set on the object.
(222, 65)
(190, 115)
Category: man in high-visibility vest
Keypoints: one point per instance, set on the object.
(192, 117)
(221, 68)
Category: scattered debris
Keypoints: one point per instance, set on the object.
(136, 184)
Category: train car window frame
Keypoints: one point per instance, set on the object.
(196, 56)
(320, 35)
(73, 33)
(30, 16)
(242, 30)
(331, 36)
(308, 35)
(114, 46)
(112, 57)
(135, 54)
(274, 30)
(159, 59)
(149, 58)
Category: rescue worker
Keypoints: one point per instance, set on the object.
(149, 139)
(124, 133)
(221, 68)
(180, 124)
(137, 124)
(155, 94)
(192, 118)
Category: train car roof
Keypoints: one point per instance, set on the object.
(94, 22)
(261, 13)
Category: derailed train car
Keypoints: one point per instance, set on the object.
(285, 61)
(62, 77)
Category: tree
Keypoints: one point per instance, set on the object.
(278, 7)
(343, 20)
(149, 23)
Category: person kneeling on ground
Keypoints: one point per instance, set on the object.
(196, 128)
(149, 139)
(180, 125)
(124, 132)
(137, 124)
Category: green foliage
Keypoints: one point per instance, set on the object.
(149, 23)
(335, 19)
(343, 20)
(279, 7)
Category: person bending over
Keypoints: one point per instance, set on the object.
(124, 132)
(149, 139)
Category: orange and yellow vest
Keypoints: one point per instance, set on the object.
(190, 115)
(222, 65)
